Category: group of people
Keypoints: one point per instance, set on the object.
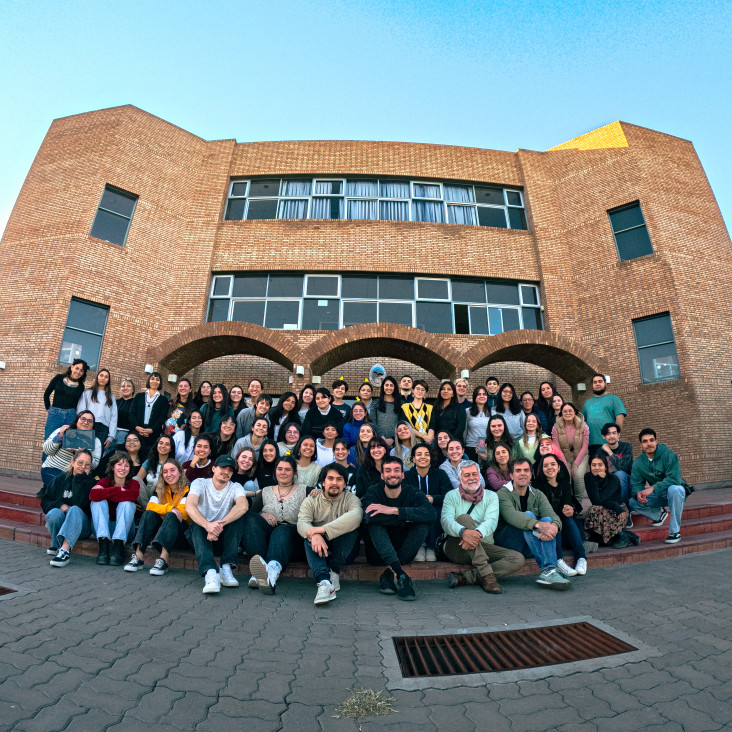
(485, 482)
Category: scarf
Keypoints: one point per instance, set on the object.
(473, 498)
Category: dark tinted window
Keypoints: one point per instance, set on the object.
(356, 312)
(492, 217)
(218, 310)
(264, 188)
(235, 209)
(532, 318)
(395, 312)
(320, 314)
(285, 286)
(434, 317)
(510, 319)
(249, 311)
(281, 313)
(468, 291)
(359, 286)
(484, 194)
(221, 286)
(432, 289)
(87, 316)
(652, 331)
(634, 243)
(479, 321)
(517, 217)
(503, 294)
(118, 201)
(396, 288)
(250, 286)
(322, 286)
(262, 210)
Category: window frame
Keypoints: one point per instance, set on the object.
(644, 225)
(75, 329)
(639, 348)
(122, 192)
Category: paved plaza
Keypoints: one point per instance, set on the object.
(95, 648)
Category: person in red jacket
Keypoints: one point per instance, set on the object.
(113, 508)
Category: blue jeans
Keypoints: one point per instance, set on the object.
(227, 545)
(624, 479)
(57, 418)
(48, 475)
(545, 552)
(273, 544)
(120, 528)
(72, 526)
(339, 551)
(571, 537)
(673, 497)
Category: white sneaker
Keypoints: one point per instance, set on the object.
(581, 566)
(430, 555)
(565, 569)
(273, 572)
(421, 555)
(212, 583)
(335, 580)
(260, 572)
(326, 593)
(252, 584)
(226, 576)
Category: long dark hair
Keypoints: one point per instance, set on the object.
(299, 399)
(197, 397)
(367, 417)
(398, 401)
(542, 402)
(220, 446)
(153, 459)
(474, 411)
(211, 410)
(491, 442)
(439, 408)
(75, 362)
(368, 461)
(187, 430)
(276, 413)
(514, 405)
(265, 470)
(564, 481)
(107, 389)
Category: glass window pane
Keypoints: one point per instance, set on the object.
(322, 286)
(510, 319)
(461, 318)
(87, 316)
(110, 227)
(432, 289)
(517, 217)
(495, 320)
(282, 313)
(514, 198)
(330, 187)
(532, 318)
(327, 208)
(479, 320)
(293, 209)
(652, 331)
(425, 190)
(221, 286)
(218, 310)
(485, 194)
(297, 187)
(395, 312)
(239, 189)
(428, 211)
(355, 312)
(76, 344)
(633, 243)
(361, 286)
(364, 210)
(235, 209)
(528, 295)
(248, 311)
(461, 215)
(264, 187)
(468, 290)
(459, 194)
(491, 217)
(658, 363)
(262, 210)
(393, 189)
(250, 286)
(394, 210)
(320, 314)
(434, 317)
(119, 202)
(626, 218)
(285, 286)
(503, 294)
(396, 288)
(362, 188)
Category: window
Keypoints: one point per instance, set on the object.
(84, 332)
(359, 199)
(654, 339)
(114, 215)
(631, 234)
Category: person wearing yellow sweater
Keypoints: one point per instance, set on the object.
(164, 521)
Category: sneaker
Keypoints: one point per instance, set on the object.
(553, 580)
(591, 547)
(227, 576)
(212, 584)
(405, 588)
(673, 538)
(629, 523)
(565, 569)
(159, 568)
(252, 584)
(387, 586)
(335, 580)
(258, 568)
(421, 555)
(430, 555)
(662, 518)
(51, 551)
(326, 593)
(134, 564)
(61, 559)
(581, 566)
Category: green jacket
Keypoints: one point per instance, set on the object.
(661, 472)
(510, 513)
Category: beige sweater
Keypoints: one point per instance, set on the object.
(338, 517)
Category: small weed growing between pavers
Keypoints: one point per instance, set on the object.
(364, 703)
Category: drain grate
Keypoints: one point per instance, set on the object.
(6, 591)
(504, 650)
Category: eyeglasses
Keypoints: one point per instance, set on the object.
(85, 420)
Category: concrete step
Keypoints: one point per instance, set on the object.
(689, 527)
(17, 512)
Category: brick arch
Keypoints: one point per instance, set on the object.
(383, 339)
(189, 348)
(563, 356)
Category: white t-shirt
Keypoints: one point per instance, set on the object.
(214, 504)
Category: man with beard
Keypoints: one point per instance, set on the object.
(600, 409)
(398, 518)
(469, 518)
(329, 522)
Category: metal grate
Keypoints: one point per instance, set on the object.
(6, 591)
(505, 650)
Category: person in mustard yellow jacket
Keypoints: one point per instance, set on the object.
(165, 520)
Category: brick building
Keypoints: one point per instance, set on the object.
(134, 242)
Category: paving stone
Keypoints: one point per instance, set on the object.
(221, 723)
(588, 706)
(188, 710)
(636, 719)
(646, 681)
(538, 722)
(486, 716)
(52, 717)
(720, 710)
(302, 717)
(452, 697)
(150, 707)
(451, 718)
(620, 701)
(259, 708)
(530, 705)
(93, 719)
(689, 718)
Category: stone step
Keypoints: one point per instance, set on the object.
(31, 515)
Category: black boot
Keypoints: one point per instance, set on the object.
(118, 553)
(622, 541)
(103, 556)
(634, 538)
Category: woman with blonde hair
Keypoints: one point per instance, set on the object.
(529, 441)
(405, 438)
(164, 521)
(572, 436)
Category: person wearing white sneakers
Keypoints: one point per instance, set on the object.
(216, 507)
(329, 521)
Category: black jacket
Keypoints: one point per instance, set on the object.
(605, 492)
(73, 490)
(158, 414)
(412, 504)
(437, 482)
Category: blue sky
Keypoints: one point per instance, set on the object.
(503, 74)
